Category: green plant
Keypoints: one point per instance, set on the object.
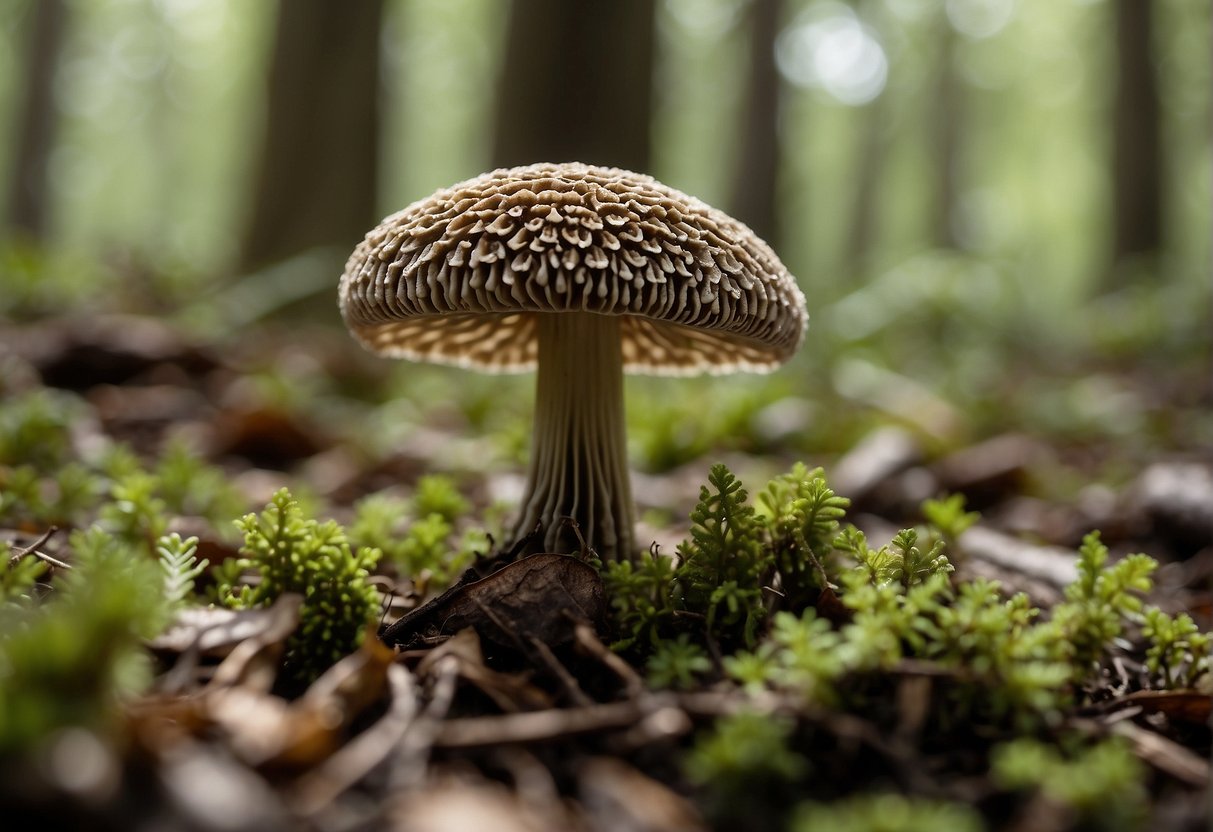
(35, 429)
(18, 577)
(724, 560)
(1098, 602)
(134, 512)
(180, 566)
(885, 813)
(676, 663)
(437, 494)
(428, 551)
(641, 595)
(800, 655)
(902, 561)
(1103, 784)
(948, 515)
(291, 553)
(743, 751)
(189, 486)
(1179, 654)
(69, 660)
(801, 513)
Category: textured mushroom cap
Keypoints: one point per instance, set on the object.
(458, 277)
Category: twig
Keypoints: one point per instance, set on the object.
(536, 726)
(588, 641)
(32, 549)
(413, 750)
(574, 691)
(317, 789)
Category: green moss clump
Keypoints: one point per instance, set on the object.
(70, 660)
(418, 535)
(291, 553)
(886, 813)
(1102, 785)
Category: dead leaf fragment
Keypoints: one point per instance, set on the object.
(539, 597)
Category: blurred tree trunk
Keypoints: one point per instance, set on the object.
(755, 188)
(1136, 187)
(576, 85)
(316, 179)
(28, 208)
(945, 126)
(862, 231)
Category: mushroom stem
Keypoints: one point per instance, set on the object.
(579, 465)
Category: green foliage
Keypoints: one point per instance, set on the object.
(641, 594)
(41, 484)
(724, 561)
(21, 495)
(35, 429)
(1179, 654)
(190, 487)
(436, 494)
(428, 551)
(801, 655)
(948, 515)
(18, 577)
(801, 513)
(742, 751)
(291, 553)
(1101, 598)
(677, 663)
(69, 660)
(801, 505)
(885, 813)
(180, 566)
(134, 512)
(1102, 784)
(68, 496)
(902, 561)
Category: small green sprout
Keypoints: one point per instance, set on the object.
(948, 515)
(677, 663)
(291, 553)
(1102, 784)
(885, 813)
(180, 565)
(1179, 654)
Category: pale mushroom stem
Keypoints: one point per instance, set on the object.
(579, 463)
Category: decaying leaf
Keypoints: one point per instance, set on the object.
(540, 597)
(511, 692)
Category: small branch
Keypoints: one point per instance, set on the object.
(588, 641)
(32, 549)
(316, 790)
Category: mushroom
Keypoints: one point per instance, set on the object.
(582, 272)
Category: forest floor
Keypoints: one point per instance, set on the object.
(501, 708)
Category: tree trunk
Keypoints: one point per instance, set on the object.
(29, 193)
(861, 235)
(755, 188)
(316, 180)
(577, 83)
(946, 119)
(1136, 188)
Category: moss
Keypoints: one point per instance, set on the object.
(291, 553)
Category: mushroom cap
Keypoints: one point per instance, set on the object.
(459, 277)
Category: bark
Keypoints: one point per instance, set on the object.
(316, 180)
(577, 83)
(28, 209)
(862, 232)
(755, 188)
(1136, 187)
(946, 127)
